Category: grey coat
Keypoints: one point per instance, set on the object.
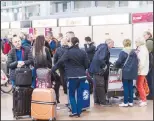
(12, 60)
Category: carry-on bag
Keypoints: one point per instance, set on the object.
(85, 96)
(43, 78)
(43, 104)
(22, 101)
(23, 77)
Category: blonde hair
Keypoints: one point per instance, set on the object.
(127, 42)
(64, 42)
(140, 41)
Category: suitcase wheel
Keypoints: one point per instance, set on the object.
(16, 117)
(52, 119)
(33, 119)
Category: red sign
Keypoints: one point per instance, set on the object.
(31, 31)
(47, 30)
(142, 17)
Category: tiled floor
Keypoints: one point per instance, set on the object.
(95, 112)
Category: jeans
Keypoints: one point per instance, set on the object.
(128, 91)
(74, 84)
(140, 87)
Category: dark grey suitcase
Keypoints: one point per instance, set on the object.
(22, 101)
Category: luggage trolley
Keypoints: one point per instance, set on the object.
(115, 86)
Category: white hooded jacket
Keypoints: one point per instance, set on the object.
(143, 56)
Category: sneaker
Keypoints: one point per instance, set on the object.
(130, 104)
(123, 105)
(58, 108)
(143, 104)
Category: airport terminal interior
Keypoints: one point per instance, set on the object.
(102, 22)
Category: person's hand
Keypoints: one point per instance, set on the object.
(20, 64)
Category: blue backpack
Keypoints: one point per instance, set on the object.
(130, 69)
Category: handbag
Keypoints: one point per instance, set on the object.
(120, 70)
(23, 76)
(146, 87)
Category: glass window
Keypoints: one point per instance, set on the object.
(65, 7)
(82, 4)
(123, 3)
(3, 4)
(150, 2)
(106, 4)
(16, 2)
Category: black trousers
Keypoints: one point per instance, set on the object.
(56, 79)
(100, 89)
(63, 80)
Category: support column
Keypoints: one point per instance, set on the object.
(72, 6)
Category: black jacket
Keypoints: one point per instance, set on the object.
(44, 62)
(90, 51)
(59, 52)
(12, 60)
(48, 46)
(75, 61)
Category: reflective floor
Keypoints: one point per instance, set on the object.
(95, 112)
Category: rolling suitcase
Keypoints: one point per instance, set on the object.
(43, 78)
(23, 77)
(22, 101)
(43, 104)
(85, 97)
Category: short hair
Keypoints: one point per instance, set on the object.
(108, 41)
(70, 32)
(140, 41)
(16, 37)
(60, 34)
(75, 41)
(88, 39)
(127, 42)
(148, 33)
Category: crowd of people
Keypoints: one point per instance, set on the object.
(65, 55)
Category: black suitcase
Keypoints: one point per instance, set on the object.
(23, 77)
(22, 101)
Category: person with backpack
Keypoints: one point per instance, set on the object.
(59, 52)
(18, 56)
(128, 63)
(75, 61)
(149, 44)
(143, 69)
(99, 68)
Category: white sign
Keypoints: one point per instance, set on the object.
(78, 21)
(114, 83)
(5, 25)
(15, 25)
(44, 23)
(110, 19)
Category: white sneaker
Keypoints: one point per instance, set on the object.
(123, 105)
(130, 104)
(58, 108)
(143, 104)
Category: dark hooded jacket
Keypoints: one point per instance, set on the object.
(75, 61)
(100, 59)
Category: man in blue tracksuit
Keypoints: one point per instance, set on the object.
(76, 63)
